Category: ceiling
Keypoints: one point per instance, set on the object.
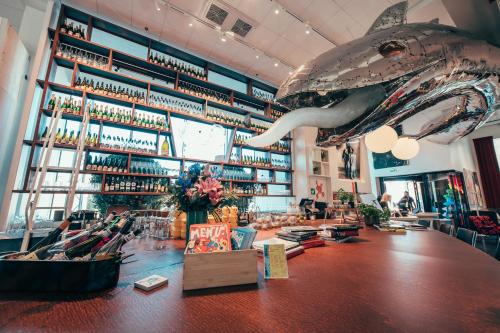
(276, 44)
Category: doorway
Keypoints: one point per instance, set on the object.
(442, 192)
(397, 187)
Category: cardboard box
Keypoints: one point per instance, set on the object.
(218, 269)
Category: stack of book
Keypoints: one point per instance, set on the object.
(339, 232)
(292, 249)
(388, 227)
(306, 239)
(415, 226)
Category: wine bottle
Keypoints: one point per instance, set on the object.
(52, 102)
(45, 132)
(54, 234)
(58, 249)
(112, 246)
(84, 247)
(165, 147)
(59, 136)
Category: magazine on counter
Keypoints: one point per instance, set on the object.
(205, 238)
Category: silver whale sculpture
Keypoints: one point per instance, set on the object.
(389, 75)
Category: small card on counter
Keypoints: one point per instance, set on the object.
(151, 282)
(275, 264)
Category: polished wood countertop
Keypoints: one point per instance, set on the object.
(424, 281)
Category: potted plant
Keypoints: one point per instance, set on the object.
(371, 214)
(344, 197)
(196, 193)
(385, 215)
(350, 199)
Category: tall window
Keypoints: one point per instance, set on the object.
(200, 141)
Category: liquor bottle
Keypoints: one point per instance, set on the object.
(64, 27)
(133, 185)
(114, 245)
(112, 185)
(67, 243)
(122, 184)
(71, 138)
(127, 185)
(106, 185)
(45, 132)
(84, 247)
(53, 235)
(100, 164)
(52, 102)
(58, 136)
(165, 147)
(114, 164)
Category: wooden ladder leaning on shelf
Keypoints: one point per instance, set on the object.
(37, 185)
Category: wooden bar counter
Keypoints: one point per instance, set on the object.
(424, 281)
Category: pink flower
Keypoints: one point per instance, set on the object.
(208, 185)
(214, 197)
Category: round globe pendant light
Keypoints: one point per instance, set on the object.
(405, 148)
(382, 139)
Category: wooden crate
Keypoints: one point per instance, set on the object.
(218, 269)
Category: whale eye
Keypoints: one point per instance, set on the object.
(392, 49)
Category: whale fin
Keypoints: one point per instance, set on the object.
(394, 15)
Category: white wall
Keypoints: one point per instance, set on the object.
(303, 139)
(432, 157)
(31, 28)
(26, 20)
(13, 11)
(435, 157)
(462, 152)
(364, 183)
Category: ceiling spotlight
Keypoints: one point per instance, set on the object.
(308, 29)
(223, 37)
(190, 24)
(157, 5)
(257, 56)
(290, 73)
(275, 64)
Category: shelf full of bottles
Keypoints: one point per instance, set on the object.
(189, 80)
(117, 100)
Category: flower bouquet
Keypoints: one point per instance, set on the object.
(197, 193)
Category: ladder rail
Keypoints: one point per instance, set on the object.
(40, 173)
(76, 169)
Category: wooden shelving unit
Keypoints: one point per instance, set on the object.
(147, 69)
(319, 171)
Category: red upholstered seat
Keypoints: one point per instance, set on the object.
(485, 225)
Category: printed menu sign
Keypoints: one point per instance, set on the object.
(275, 264)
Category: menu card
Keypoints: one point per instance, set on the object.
(275, 264)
